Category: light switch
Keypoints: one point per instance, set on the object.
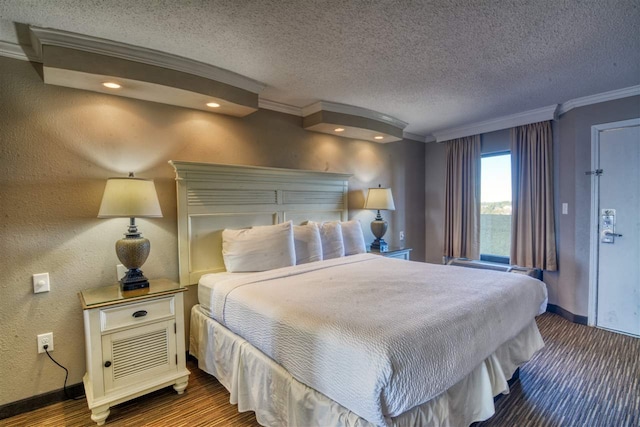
(565, 208)
(41, 283)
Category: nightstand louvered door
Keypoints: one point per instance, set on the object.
(138, 354)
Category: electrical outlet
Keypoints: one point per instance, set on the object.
(45, 339)
(402, 235)
(121, 270)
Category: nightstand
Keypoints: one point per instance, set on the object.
(400, 253)
(134, 343)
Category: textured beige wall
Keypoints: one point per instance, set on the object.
(57, 148)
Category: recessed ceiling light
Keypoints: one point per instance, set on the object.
(111, 85)
(213, 104)
(378, 137)
(339, 129)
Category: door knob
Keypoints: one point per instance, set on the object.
(609, 233)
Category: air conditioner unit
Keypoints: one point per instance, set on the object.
(536, 273)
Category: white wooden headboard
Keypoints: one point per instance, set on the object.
(212, 197)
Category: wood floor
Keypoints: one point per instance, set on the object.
(583, 377)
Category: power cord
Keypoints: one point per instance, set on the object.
(66, 374)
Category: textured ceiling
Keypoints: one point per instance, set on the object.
(433, 64)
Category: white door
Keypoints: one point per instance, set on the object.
(616, 218)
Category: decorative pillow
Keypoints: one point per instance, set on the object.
(352, 237)
(331, 238)
(258, 248)
(307, 242)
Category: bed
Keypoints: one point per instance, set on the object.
(355, 340)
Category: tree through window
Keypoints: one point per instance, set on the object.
(495, 207)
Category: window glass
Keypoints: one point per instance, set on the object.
(495, 207)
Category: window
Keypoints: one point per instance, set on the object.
(495, 207)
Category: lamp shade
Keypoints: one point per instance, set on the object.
(380, 199)
(130, 198)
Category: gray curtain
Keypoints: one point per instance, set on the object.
(462, 198)
(533, 238)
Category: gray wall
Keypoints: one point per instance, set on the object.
(569, 286)
(435, 173)
(57, 148)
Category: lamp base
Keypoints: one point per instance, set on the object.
(379, 245)
(134, 279)
(378, 228)
(132, 252)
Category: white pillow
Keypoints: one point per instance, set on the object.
(331, 238)
(307, 242)
(258, 248)
(353, 238)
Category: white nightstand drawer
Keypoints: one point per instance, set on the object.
(136, 314)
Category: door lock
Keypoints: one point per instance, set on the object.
(608, 226)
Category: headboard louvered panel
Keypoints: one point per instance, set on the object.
(313, 197)
(212, 197)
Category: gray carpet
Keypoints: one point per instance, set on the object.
(583, 377)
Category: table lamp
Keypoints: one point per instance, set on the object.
(131, 198)
(379, 199)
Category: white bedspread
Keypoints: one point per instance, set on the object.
(377, 335)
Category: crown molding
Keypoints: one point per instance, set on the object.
(267, 104)
(518, 119)
(356, 122)
(416, 137)
(48, 36)
(599, 97)
(352, 110)
(16, 51)
(533, 116)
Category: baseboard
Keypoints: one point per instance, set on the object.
(40, 401)
(46, 399)
(575, 318)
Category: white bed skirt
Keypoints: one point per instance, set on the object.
(259, 384)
